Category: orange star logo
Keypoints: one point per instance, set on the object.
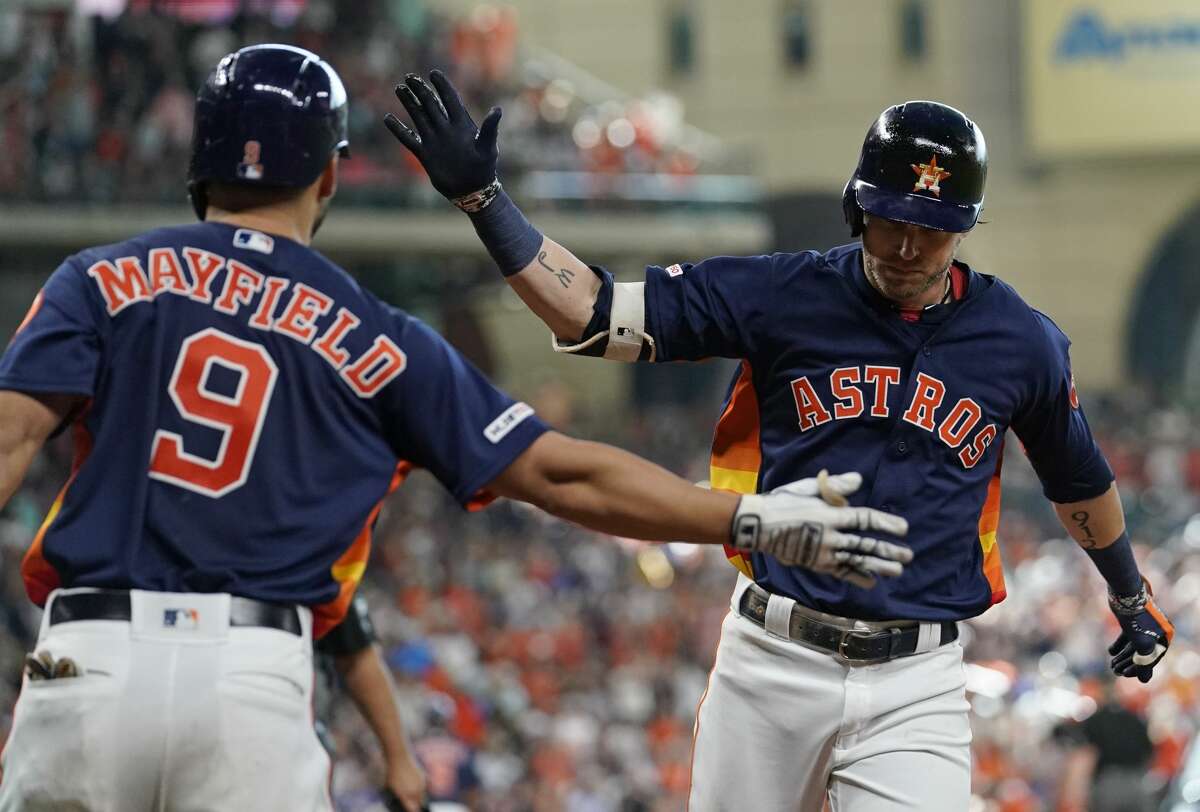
(928, 176)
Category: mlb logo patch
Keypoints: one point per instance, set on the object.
(674, 270)
(253, 241)
(185, 619)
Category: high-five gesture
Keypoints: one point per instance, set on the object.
(804, 527)
(459, 156)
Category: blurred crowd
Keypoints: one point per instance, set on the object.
(99, 109)
(542, 667)
(539, 666)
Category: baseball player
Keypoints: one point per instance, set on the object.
(241, 407)
(351, 650)
(889, 357)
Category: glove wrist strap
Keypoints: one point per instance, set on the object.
(1129, 604)
(744, 532)
(511, 240)
(480, 199)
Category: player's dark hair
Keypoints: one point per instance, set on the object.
(237, 197)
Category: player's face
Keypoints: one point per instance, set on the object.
(907, 263)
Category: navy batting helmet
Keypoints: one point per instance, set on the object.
(268, 115)
(923, 163)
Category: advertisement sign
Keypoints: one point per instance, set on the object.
(1106, 77)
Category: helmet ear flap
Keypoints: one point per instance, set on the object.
(851, 210)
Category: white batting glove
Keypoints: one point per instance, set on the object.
(798, 527)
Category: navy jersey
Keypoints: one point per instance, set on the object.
(833, 377)
(248, 408)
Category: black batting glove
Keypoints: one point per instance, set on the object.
(459, 157)
(392, 802)
(1146, 634)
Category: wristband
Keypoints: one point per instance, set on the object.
(512, 240)
(478, 200)
(1129, 604)
(1118, 567)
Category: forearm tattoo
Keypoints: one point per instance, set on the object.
(1081, 518)
(563, 275)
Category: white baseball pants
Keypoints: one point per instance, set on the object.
(193, 715)
(783, 726)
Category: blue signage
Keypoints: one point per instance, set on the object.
(1086, 36)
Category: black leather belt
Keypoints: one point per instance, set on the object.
(113, 604)
(854, 646)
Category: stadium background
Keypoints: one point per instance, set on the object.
(542, 667)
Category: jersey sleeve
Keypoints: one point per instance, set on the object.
(1054, 430)
(58, 347)
(714, 308)
(445, 416)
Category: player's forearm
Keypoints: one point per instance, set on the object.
(559, 288)
(1094, 523)
(556, 286)
(25, 423)
(613, 491)
(624, 495)
(369, 685)
(1098, 526)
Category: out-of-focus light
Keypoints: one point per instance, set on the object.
(1186, 590)
(556, 101)
(627, 544)
(1191, 532)
(1085, 706)
(683, 552)
(586, 134)
(1187, 665)
(1052, 665)
(109, 9)
(1061, 703)
(655, 566)
(1191, 791)
(485, 17)
(620, 133)
(986, 681)
(987, 707)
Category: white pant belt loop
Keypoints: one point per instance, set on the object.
(778, 620)
(929, 637)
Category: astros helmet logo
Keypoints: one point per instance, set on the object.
(929, 176)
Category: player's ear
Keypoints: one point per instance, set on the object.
(327, 183)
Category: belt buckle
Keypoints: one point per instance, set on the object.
(843, 640)
(853, 634)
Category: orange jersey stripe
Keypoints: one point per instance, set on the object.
(736, 442)
(696, 722)
(29, 314)
(989, 523)
(348, 569)
(39, 575)
(736, 450)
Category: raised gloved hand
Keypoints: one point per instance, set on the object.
(800, 528)
(459, 157)
(1145, 634)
